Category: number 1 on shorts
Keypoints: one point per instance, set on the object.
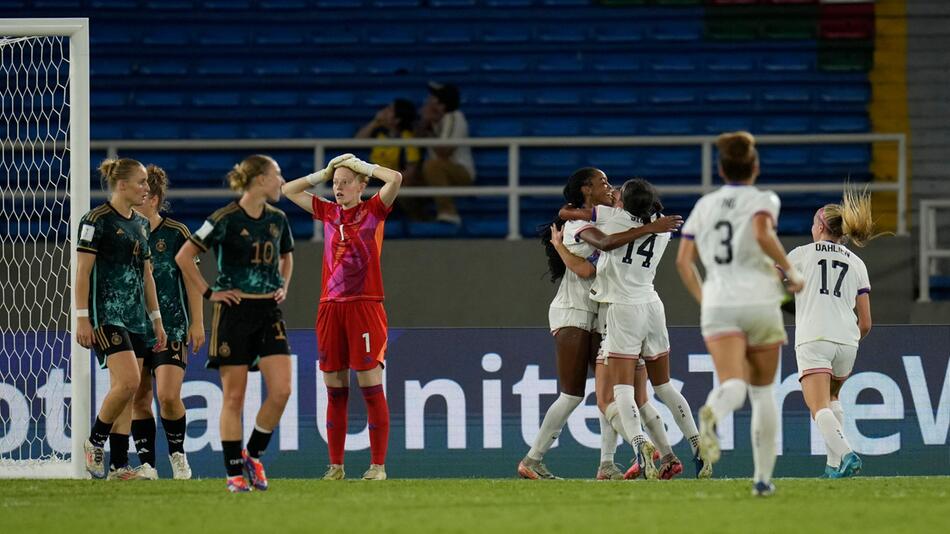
(366, 339)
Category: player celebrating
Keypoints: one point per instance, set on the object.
(826, 329)
(733, 230)
(636, 327)
(254, 246)
(183, 325)
(572, 316)
(111, 314)
(351, 321)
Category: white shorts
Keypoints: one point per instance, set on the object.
(825, 357)
(600, 321)
(762, 326)
(559, 318)
(637, 330)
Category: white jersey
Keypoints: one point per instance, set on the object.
(574, 291)
(834, 277)
(625, 274)
(738, 272)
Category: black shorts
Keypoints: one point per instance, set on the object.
(244, 333)
(109, 340)
(175, 353)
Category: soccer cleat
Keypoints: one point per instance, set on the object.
(254, 471)
(634, 472)
(850, 466)
(534, 470)
(146, 472)
(763, 489)
(375, 472)
(609, 471)
(708, 439)
(334, 472)
(237, 484)
(180, 468)
(830, 472)
(670, 467)
(647, 450)
(94, 460)
(703, 469)
(124, 473)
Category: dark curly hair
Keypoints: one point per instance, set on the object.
(574, 196)
(640, 198)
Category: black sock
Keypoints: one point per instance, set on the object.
(175, 434)
(258, 442)
(232, 457)
(100, 433)
(119, 450)
(143, 433)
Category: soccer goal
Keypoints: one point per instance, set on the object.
(44, 189)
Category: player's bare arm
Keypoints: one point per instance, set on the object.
(296, 190)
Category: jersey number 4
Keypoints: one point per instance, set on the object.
(645, 249)
(835, 264)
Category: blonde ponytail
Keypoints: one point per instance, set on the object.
(239, 178)
(852, 218)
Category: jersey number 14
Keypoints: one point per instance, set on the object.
(645, 249)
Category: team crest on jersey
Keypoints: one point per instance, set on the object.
(224, 350)
(160, 246)
(119, 232)
(116, 340)
(274, 231)
(176, 347)
(245, 233)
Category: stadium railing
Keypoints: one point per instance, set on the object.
(514, 190)
(929, 249)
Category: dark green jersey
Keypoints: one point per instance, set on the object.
(165, 241)
(117, 284)
(247, 249)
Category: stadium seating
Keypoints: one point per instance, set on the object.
(525, 67)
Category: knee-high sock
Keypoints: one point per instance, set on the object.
(764, 428)
(837, 410)
(143, 434)
(682, 413)
(629, 415)
(608, 440)
(655, 428)
(257, 443)
(336, 422)
(727, 397)
(612, 414)
(830, 429)
(175, 433)
(118, 450)
(377, 410)
(552, 424)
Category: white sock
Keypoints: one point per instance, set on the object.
(837, 410)
(654, 427)
(612, 414)
(682, 413)
(834, 438)
(608, 440)
(626, 403)
(764, 429)
(727, 398)
(552, 424)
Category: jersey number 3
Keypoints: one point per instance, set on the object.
(726, 242)
(645, 250)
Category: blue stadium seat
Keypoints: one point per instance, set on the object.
(333, 67)
(547, 159)
(209, 163)
(273, 99)
(110, 67)
(615, 96)
(728, 95)
(557, 97)
(170, 5)
(670, 126)
(229, 36)
(620, 32)
(215, 67)
(555, 126)
(505, 64)
(560, 63)
(339, 4)
(226, 5)
(330, 99)
(844, 124)
(215, 131)
(787, 62)
(107, 99)
(448, 35)
(613, 127)
(328, 130)
(851, 155)
(731, 63)
(452, 3)
(432, 229)
(112, 35)
(672, 97)
(393, 229)
(166, 36)
(278, 68)
(561, 3)
(446, 65)
(157, 99)
(717, 125)
(490, 160)
(509, 3)
(99, 129)
(561, 33)
(272, 130)
(786, 95)
(497, 128)
(169, 162)
(677, 31)
(113, 4)
(378, 99)
(335, 37)
(507, 97)
(163, 68)
(845, 94)
(676, 64)
(779, 124)
(386, 66)
(505, 34)
(157, 130)
(282, 5)
(392, 35)
(622, 159)
(387, 4)
(616, 63)
(485, 227)
(784, 156)
(671, 161)
(276, 37)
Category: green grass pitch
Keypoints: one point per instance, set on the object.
(918, 504)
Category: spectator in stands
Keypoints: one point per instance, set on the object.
(397, 121)
(445, 166)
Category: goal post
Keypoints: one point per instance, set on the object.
(45, 378)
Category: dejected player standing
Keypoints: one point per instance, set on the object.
(351, 322)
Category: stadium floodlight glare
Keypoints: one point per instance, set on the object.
(44, 189)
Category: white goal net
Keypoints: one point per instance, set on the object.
(44, 183)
